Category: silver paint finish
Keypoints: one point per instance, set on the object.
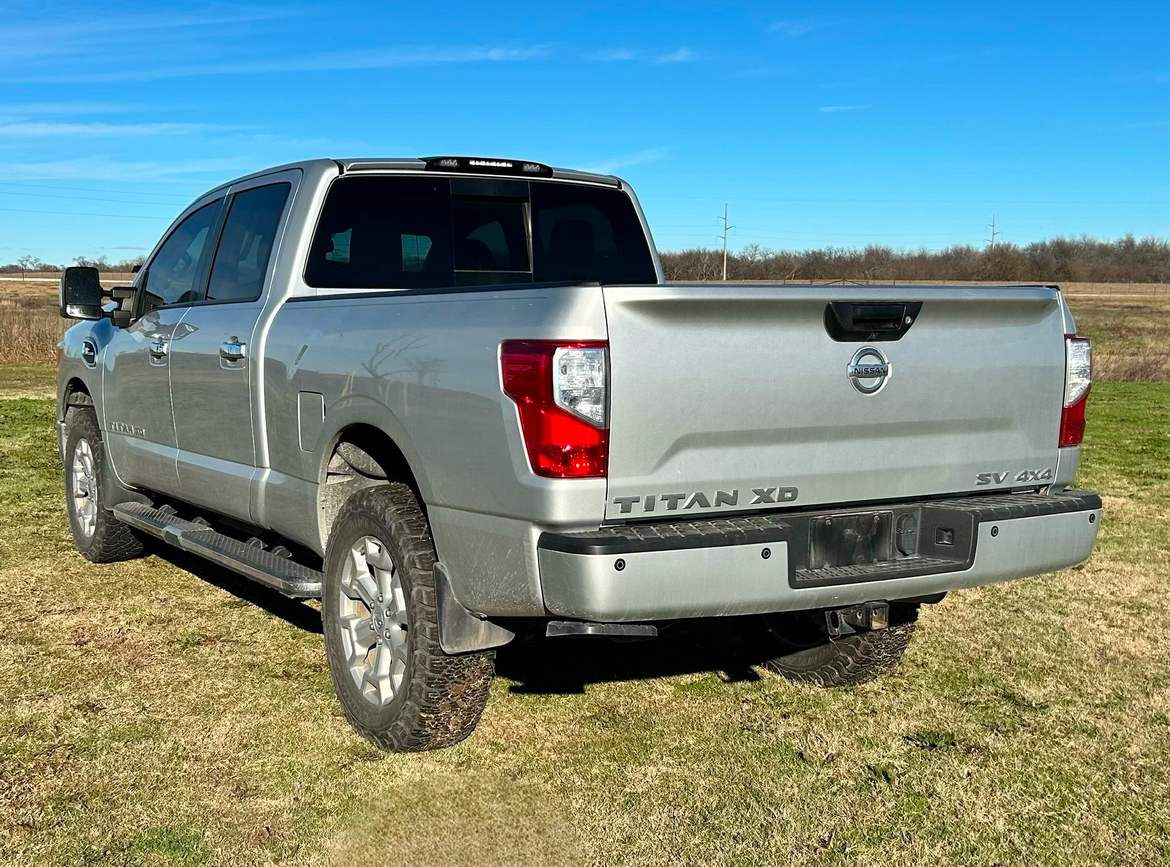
(712, 388)
(138, 421)
(213, 390)
(720, 387)
(702, 582)
(695, 583)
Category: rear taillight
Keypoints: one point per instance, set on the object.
(560, 390)
(1078, 377)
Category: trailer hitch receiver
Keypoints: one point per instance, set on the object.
(846, 621)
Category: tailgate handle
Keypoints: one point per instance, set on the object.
(851, 321)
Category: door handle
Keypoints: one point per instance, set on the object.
(158, 349)
(232, 350)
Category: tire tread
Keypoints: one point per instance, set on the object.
(446, 694)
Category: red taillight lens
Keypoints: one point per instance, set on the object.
(1078, 379)
(1072, 423)
(561, 443)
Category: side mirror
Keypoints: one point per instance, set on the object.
(80, 295)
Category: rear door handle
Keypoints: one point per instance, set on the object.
(232, 350)
(158, 349)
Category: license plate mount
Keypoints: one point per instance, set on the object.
(853, 539)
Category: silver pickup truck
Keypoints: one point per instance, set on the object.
(454, 399)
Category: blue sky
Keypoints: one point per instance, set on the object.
(819, 123)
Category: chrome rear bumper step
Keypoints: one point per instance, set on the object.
(267, 567)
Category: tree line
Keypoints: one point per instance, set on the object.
(1057, 260)
(34, 264)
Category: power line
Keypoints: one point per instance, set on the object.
(91, 199)
(78, 214)
(92, 190)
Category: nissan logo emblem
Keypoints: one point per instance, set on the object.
(869, 370)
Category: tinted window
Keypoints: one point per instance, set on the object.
(586, 233)
(404, 232)
(171, 278)
(241, 259)
(490, 235)
(383, 233)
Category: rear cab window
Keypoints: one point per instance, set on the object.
(407, 232)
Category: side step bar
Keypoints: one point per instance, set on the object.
(270, 569)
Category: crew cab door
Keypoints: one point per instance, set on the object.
(136, 398)
(215, 367)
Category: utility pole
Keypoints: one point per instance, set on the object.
(724, 236)
(991, 240)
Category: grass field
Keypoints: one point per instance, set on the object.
(165, 712)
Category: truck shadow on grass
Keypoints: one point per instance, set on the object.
(544, 666)
(295, 612)
(564, 666)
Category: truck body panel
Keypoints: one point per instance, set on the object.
(722, 400)
(721, 390)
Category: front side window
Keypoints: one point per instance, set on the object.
(171, 276)
(241, 259)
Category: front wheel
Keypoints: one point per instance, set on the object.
(98, 535)
(798, 647)
(397, 687)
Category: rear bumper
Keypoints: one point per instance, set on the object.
(767, 563)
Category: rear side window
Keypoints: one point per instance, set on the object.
(171, 277)
(245, 246)
(410, 232)
(587, 233)
(377, 233)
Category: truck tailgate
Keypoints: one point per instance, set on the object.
(727, 398)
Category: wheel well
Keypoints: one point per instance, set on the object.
(361, 457)
(76, 394)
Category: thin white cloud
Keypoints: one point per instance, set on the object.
(102, 168)
(679, 55)
(336, 60)
(649, 155)
(795, 26)
(833, 109)
(611, 55)
(103, 130)
(69, 36)
(59, 109)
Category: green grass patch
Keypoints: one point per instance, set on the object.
(155, 715)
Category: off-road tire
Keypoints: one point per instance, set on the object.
(111, 540)
(809, 655)
(441, 697)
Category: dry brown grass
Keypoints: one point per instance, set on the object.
(29, 331)
(1130, 328)
(1131, 336)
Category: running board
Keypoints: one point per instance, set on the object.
(270, 569)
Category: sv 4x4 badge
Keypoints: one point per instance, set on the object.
(1025, 476)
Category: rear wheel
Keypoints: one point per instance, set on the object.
(395, 684)
(801, 650)
(98, 535)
